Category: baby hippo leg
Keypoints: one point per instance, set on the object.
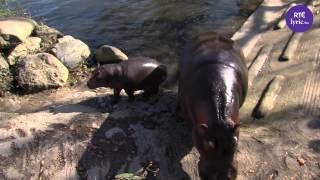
(130, 93)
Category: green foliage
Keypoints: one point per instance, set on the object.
(5, 11)
(8, 1)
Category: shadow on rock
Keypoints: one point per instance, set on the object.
(140, 137)
(314, 124)
(101, 103)
(315, 145)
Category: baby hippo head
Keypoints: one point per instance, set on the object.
(104, 76)
(217, 145)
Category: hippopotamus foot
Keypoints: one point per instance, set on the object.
(130, 94)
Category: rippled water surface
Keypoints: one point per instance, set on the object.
(155, 28)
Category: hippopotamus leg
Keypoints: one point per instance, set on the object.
(130, 93)
(116, 95)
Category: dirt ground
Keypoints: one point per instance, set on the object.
(75, 133)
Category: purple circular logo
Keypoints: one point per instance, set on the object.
(299, 18)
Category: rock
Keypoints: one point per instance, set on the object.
(40, 71)
(269, 97)
(10, 105)
(8, 42)
(3, 63)
(128, 176)
(111, 132)
(291, 163)
(43, 30)
(109, 54)
(5, 81)
(72, 52)
(48, 35)
(17, 26)
(31, 45)
(301, 161)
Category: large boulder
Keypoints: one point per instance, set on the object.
(31, 45)
(40, 71)
(48, 35)
(3, 63)
(17, 26)
(72, 52)
(109, 54)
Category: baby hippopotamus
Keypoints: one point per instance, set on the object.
(137, 73)
(212, 87)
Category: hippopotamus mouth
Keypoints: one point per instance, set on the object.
(218, 164)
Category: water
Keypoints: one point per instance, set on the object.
(155, 28)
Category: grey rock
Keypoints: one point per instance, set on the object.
(48, 35)
(40, 71)
(31, 45)
(72, 52)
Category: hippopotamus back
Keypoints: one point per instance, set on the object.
(212, 88)
(210, 49)
(137, 73)
(141, 70)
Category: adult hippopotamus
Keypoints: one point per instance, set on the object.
(212, 87)
(137, 73)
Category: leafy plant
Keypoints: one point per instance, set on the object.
(5, 11)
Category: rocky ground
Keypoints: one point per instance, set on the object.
(75, 133)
